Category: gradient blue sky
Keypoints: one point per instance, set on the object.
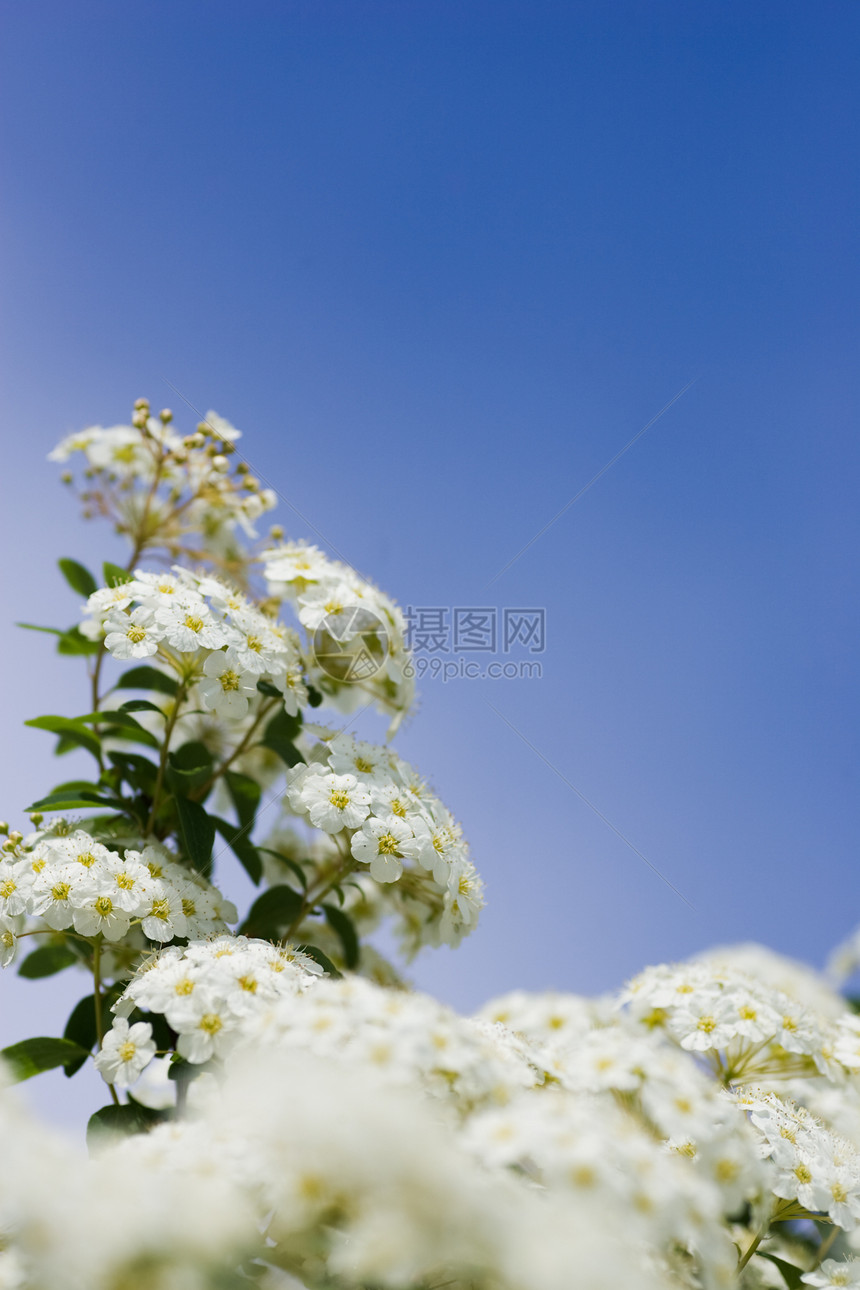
(440, 261)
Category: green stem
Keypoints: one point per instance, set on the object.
(242, 746)
(824, 1248)
(97, 1002)
(750, 1250)
(162, 761)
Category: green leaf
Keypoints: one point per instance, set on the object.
(78, 578)
(147, 678)
(47, 960)
(242, 847)
(272, 691)
(313, 952)
(314, 697)
(279, 736)
(137, 771)
(271, 913)
(343, 925)
(291, 864)
(140, 705)
(74, 801)
(127, 726)
(189, 767)
(70, 641)
(114, 576)
(81, 1025)
(245, 795)
(71, 729)
(791, 1275)
(32, 1056)
(131, 1117)
(75, 642)
(198, 833)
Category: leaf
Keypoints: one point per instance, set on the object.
(189, 767)
(147, 678)
(74, 801)
(245, 795)
(47, 960)
(71, 641)
(198, 833)
(140, 705)
(791, 1275)
(279, 736)
(78, 578)
(266, 687)
(313, 952)
(314, 697)
(114, 576)
(131, 1117)
(343, 925)
(137, 771)
(75, 642)
(81, 1025)
(71, 729)
(32, 1056)
(242, 847)
(291, 864)
(128, 727)
(277, 909)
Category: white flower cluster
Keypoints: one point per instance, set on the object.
(206, 991)
(388, 818)
(356, 632)
(231, 644)
(595, 1050)
(163, 486)
(74, 882)
(811, 1165)
(749, 1031)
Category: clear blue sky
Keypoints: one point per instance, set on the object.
(440, 261)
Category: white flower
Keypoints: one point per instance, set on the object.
(834, 1275)
(98, 912)
(379, 844)
(226, 687)
(334, 802)
(55, 893)
(369, 763)
(221, 427)
(190, 625)
(206, 1026)
(162, 916)
(134, 635)
(125, 1051)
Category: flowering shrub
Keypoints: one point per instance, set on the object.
(283, 1111)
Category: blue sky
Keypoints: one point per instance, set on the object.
(440, 262)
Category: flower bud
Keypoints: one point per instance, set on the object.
(36, 818)
(276, 533)
(166, 415)
(141, 405)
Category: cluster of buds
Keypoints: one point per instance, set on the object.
(170, 494)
